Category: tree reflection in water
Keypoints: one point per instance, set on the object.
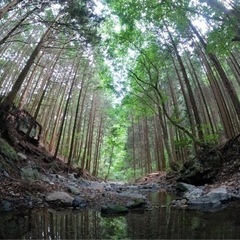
(161, 222)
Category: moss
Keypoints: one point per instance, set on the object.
(7, 151)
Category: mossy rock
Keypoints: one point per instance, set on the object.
(197, 173)
(7, 151)
(29, 174)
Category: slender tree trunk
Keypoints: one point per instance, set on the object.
(8, 101)
(76, 117)
(189, 88)
(65, 110)
(47, 83)
(226, 82)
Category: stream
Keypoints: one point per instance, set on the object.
(161, 222)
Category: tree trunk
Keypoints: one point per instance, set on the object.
(8, 101)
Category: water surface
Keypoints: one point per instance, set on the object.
(162, 222)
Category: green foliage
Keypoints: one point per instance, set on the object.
(220, 39)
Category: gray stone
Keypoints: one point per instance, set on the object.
(194, 193)
(204, 202)
(180, 203)
(79, 203)
(108, 188)
(71, 176)
(220, 194)
(74, 190)
(61, 198)
(22, 156)
(97, 186)
(131, 187)
(135, 196)
(137, 203)
(29, 174)
(185, 187)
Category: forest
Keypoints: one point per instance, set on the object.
(122, 88)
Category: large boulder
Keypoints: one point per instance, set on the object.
(212, 199)
(195, 198)
(60, 198)
(202, 169)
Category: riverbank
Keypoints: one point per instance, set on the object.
(30, 178)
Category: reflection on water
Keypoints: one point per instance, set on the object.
(160, 223)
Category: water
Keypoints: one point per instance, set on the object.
(161, 222)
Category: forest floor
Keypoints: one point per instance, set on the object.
(29, 175)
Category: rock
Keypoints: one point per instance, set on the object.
(134, 196)
(5, 206)
(79, 203)
(212, 199)
(204, 202)
(235, 196)
(22, 156)
(114, 209)
(202, 169)
(108, 188)
(133, 188)
(219, 193)
(137, 203)
(71, 176)
(29, 174)
(180, 203)
(74, 190)
(194, 194)
(60, 198)
(97, 186)
(185, 187)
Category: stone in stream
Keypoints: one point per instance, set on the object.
(136, 203)
(220, 193)
(212, 199)
(60, 198)
(114, 210)
(194, 194)
(185, 187)
(197, 199)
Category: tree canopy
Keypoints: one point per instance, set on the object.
(134, 86)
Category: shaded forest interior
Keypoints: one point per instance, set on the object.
(122, 88)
